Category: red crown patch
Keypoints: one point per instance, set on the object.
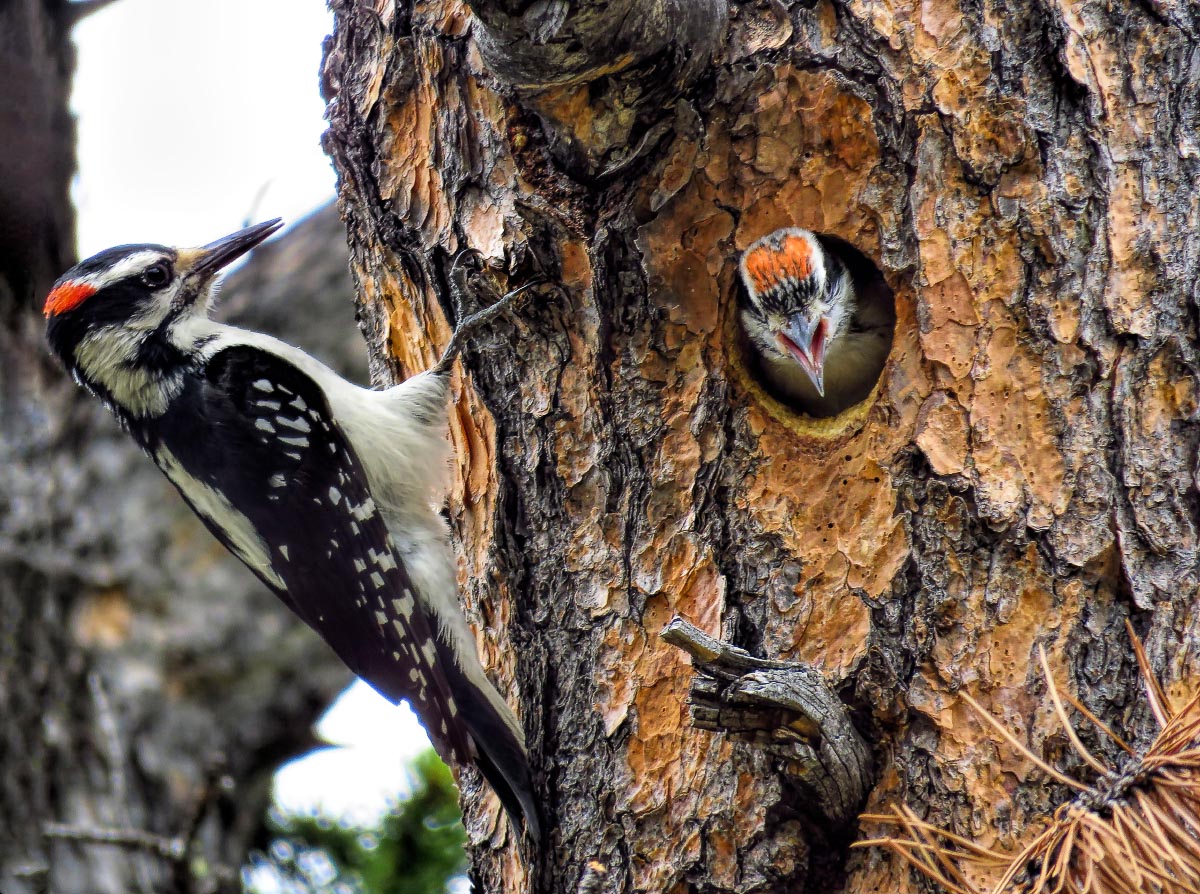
(67, 297)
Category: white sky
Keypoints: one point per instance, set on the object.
(194, 115)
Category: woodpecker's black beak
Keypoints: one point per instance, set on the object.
(223, 252)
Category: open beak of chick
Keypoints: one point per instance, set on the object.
(804, 338)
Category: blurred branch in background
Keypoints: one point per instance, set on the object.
(415, 849)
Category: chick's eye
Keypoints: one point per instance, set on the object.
(156, 276)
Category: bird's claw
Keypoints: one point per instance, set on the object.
(470, 323)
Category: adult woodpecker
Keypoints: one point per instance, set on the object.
(325, 490)
(819, 317)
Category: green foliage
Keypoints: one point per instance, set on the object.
(416, 849)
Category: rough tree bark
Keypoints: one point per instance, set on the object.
(1025, 473)
(133, 650)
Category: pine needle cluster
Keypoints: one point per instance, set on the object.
(1134, 830)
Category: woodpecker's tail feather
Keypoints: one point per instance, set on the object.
(502, 758)
(507, 771)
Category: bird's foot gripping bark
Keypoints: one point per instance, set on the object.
(784, 707)
(471, 322)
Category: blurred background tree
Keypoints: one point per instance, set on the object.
(149, 686)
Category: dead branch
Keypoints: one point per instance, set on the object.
(785, 707)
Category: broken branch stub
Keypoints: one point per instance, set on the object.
(598, 75)
(787, 709)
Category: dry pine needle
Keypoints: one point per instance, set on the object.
(1135, 830)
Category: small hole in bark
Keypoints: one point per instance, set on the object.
(802, 346)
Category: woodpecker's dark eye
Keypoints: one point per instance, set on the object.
(157, 275)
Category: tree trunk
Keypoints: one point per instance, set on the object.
(1025, 473)
(148, 685)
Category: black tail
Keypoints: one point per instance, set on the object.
(502, 758)
(505, 766)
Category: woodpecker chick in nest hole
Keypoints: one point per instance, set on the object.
(818, 316)
(328, 492)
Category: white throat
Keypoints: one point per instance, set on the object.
(108, 358)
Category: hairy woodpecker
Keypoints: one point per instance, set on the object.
(819, 317)
(325, 490)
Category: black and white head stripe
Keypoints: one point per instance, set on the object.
(112, 267)
(116, 264)
(255, 451)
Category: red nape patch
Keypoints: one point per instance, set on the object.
(67, 297)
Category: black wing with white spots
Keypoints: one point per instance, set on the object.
(256, 453)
